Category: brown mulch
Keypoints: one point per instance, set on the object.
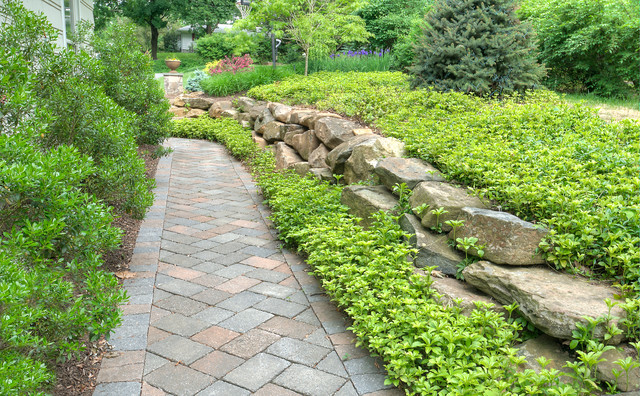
(78, 377)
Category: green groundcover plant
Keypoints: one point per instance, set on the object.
(428, 348)
(535, 156)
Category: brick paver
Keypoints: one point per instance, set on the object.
(217, 306)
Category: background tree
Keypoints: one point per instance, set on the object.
(152, 13)
(207, 13)
(317, 26)
(476, 46)
(104, 11)
(390, 20)
(588, 44)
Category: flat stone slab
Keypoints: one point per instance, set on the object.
(363, 201)
(507, 238)
(549, 348)
(437, 195)
(433, 249)
(309, 381)
(410, 171)
(453, 289)
(552, 301)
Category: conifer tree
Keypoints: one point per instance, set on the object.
(476, 46)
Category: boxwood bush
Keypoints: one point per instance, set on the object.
(535, 156)
(428, 348)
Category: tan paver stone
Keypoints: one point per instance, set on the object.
(122, 366)
(215, 336)
(290, 282)
(148, 390)
(261, 262)
(238, 284)
(217, 364)
(275, 390)
(131, 309)
(288, 327)
(184, 273)
(284, 268)
(251, 343)
(347, 352)
(247, 224)
(155, 335)
(346, 338)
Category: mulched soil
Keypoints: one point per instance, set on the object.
(78, 377)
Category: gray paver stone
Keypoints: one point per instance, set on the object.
(181, 305)
(153, 362)
(178, 379)
(298, 351)
(280, 307)
(180, 324)
(347, 390)
(257, 371)
(273, 290)
(118, 388)
(221, 388)
(364, 365)
(246, 320)
(367, 383)
(241, 301)
(181, 287)
(214, 315)
(309, 381)
(332, 364)
(179, 349)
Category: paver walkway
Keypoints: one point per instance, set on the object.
(217, 307)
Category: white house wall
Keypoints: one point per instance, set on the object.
(52, 9)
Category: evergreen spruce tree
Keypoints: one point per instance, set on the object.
(476, 46)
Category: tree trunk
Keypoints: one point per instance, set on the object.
(209, 29)
(154, 42)
(306, 63)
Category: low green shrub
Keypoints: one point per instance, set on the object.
(427, 347)
(215, 46)
(131, 83)
(360, 61)
(228, 83)
(556, 164)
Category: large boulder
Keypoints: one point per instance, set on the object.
(318, 158)
(507, 238)
(281, 112)
(198, 102)
(627, 382)
(256, 111)
(276, 131)
(334, 131)
(216, 109)
(410, 171)
(554, 302)
(297, 115)
(441, 195)
(259, 140)
(305, 143)
(339, 155)
(549, 348)
(288, 137)
(433, 249)
(454, 292)
(286, 156)
(365, 157)
(363, 201)
(195, 113)
(301, 168)
(245, 104)
(264, 118)
(310, 120)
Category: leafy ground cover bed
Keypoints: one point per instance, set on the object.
(535, 156)
(427, 348)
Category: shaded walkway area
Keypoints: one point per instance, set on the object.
(217, 306)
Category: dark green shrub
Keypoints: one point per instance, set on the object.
(214, 46)
(171, 41)
(588, 45)
(403, 53)
(475, 46)
(130, 82)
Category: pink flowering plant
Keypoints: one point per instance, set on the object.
(234, 64)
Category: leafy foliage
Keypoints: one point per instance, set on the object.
(537, 157)
(317, 26)
(150, 13)
(428, 347)
(475, 46)
(391, 20)
(352, 61)
(206, 13)
(214, 46)
(588, 44)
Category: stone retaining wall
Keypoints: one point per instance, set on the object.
(325, 144)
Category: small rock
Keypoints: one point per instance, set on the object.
(362, 131)
(627, 382)
(334, 131)
(286, 156)
(339, 155)
(301, 168)
(441, 195)
(362, 162)
(305, 143)
(198, 102)
(363, 201)
(259, 140)
(552, 301)
(178, 111)
(507, 239)
(410, 171)
(323, 174)
(433, 249)
(195, 113)
(318, 158)
(548, 347)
